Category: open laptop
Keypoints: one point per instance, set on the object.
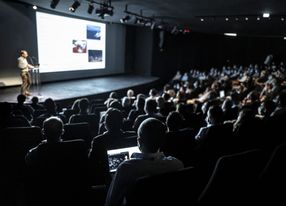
(117, 156)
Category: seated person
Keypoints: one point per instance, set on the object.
(113, 138)
(150, 162)
(57, 169)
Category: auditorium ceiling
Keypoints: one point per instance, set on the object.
(244, 17)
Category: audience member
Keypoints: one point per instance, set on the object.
(150, 110)
(35, 104)
(21, 107)
(113, 138)
(149, 162)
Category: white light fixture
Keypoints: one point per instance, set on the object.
(202, 19)
(284, 38)
(266, 15)
(246, 18)
(282, 19)
(258, 18)
(35, 7)
(230, 34)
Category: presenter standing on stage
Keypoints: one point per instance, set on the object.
(25, 75)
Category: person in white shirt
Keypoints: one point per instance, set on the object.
(24, 67)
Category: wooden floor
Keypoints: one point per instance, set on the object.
(68, 90)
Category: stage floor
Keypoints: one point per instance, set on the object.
(72, 89)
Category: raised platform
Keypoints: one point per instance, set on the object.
(70, 90)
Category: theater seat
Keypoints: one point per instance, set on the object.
(60, 174)
(173, 188)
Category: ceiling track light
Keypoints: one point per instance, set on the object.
(74, 6)
(140, 19)
(54, 3)
(90, 8)
(105, 8)
(125, 19)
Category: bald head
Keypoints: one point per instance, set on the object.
(53, 129)
(151, 133)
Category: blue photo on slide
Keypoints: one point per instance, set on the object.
(94, 55)
(93, 32)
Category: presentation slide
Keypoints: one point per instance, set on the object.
(69, 44)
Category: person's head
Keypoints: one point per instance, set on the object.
(151, 133)
(113, 95)
(75, 106)
(267, 107)
(227, 104)
(35, 100)
(174, 121)
(150, 106)
(166, 96)
(116, 104)
(53, 129)
(215, 115)
(113, 120)
(24, 53)
(160, 102)
(50, 105)
(83, 105)
(140, 103)
(126, 102)
(130, 93)
(21, 98)
(153, 92)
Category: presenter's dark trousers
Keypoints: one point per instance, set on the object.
(26, 82)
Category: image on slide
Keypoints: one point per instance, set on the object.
(93, 32)
(79, 46)
(95, 55)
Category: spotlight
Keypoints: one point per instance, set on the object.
(230, 34)
(74, 6)
(90, 8)
(153, 25)
(266, 15)
(148, 23)
(174, 30)
(54, 3)
(104, 11)
(125, 19)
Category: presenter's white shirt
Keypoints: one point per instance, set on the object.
(23, 64)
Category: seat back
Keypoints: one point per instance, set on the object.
(15, 143)
(234, 178)
(60, 172)
(173, 188)
(273, 177)
(77, 131)
(91, 119)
